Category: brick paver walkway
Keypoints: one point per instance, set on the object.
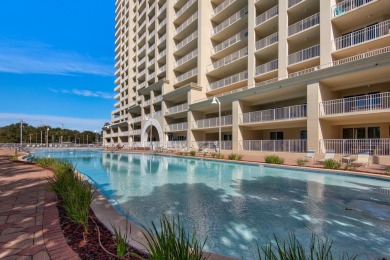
(29, 223)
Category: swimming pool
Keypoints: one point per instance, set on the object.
(236, 204)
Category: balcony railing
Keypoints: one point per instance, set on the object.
(184, 8)
(276, 114)
(186, 58)
(225, 145)
(143, 84)
(229, 80)
(177, 109)
(221, 6)
(267, 15)
(147, 102)
(135, 132)
(291, 3)
(161, 39)
(229, 42)
(232, 19)
(267, 67)
(151, 48)
(162, 54)
(228, 59)
(177, 127)
(271, 39)
(305, 54)
(162, 69)
(157, 99)
(347, 6)
(304, 24)
(213, 122)
(186, 75)
(186, 23)
(379, 147)
(136, 119)
(142, 61)
(363, 35)
(157, 114)
(292, 146)
(176, 144)
(162, 24)
(162, 8)
(186, 40)
(371, 102)
(151, 76)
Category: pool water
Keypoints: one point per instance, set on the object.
(235, 204)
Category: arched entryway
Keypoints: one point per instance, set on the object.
(152, 134)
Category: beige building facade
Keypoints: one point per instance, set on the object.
(290, 75)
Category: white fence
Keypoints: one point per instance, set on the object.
(304, 24)
(354, 146)
(348, 5)
(213, 122)
(232, 19)
(267, 67)
(228, 59)
(228, 81)
(294, 146)
(306, 54)
(177, 109)
(213, 145)
(177, 127)
(290, 112)
(176, 144)
(271, 39)
(229, 42)
(267, 15)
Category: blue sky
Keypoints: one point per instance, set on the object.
(57, 62)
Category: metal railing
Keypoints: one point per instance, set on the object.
(186, 58)
(161, 39)
(177, 109)
(147, 102)
(184, 8)
(151, 48)
(162, 8)
(228, 59)
(225, 145)
(232, 19)
(291, 3)
(292, 146)
(162, 24)
(221, 6)
(228, 81)
(186, 40)
(267, 67)
(136, 119)
(306, 54)
(271, 39)
(371, 102)
(304, 24)
(291, 112)
(213, 122)
(135, 132)
(186, 75)
(157, 98)
(162, 54)
(186, 23)
(162, 69)
(267, 15)
(363, 35)
(347, 6)
(151, 76)
(176, 144)
(229, 42)
(177, 127)
(380, 146)
(157, 114)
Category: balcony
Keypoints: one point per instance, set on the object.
(232, 81)
(157, 99)
(142, 85)
(267, 67)
(292, 3)
(117, 104)
(373, 102)
(221, 7)
(135, 132)
(183, 9)
(225, 45)
(161, 69)
(177, 109)
(213, 122)
(187, 43)
(347, 6)
(157, 114)
(304, 24)
(267, 41)
(303, 55)
(162, 9)
(161, 55)
(230, 21)
(136, 119)
(147, 102)
(186, 23)
(176, 127)
(379, 147)
(277, 114)
(186, 76)
(228, 59)
(186, 58)
(267, 15)
(151, 48)
(162, 24)
(291, 146)
(151, 76)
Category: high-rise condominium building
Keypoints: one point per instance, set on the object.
(287, 75)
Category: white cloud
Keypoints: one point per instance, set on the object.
(73, 123)
(84, 93)
(37, 58)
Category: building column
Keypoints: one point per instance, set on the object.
(236, 131)
(251, 42)
(314, 132)
(282, 43)
(326, 31)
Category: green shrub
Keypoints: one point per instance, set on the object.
(387, 170)
(332, 164)
(350, 167)
(220, 156)
(232, 156)
(45, 162)
(171, 241)
(120, 240)
(301, 162)
(214, 155)
(13, 158)
(239, 157)
(192, 153)
(274, 159)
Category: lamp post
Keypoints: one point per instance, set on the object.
(47, 137)
(216, 101)
(151, 131)
(21, 133)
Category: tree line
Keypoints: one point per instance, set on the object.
(41, 134)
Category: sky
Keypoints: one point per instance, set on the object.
(57, 62)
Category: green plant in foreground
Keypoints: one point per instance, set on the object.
(350, 167)
(332, 164)
(292, 249)
(232, 156)
(13, 158)
(120, 240)
(274, 159)
(192, 153)
(387, 170)
(301, 162)
(171, 241)
(239, 157)
(220, 156)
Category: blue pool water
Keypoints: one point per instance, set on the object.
(234, 205)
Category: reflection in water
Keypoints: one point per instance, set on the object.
(235, 205)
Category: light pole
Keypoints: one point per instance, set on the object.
(47, 137)
(216, 101)
(151, 131)
(21, 133)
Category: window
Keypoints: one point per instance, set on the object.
(361, 133)
(303, 135)
(276, 135)
(373, 132)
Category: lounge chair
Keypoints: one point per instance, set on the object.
(329, 154)
(362, 159)
(309, 155)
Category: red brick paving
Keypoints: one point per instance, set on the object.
(29, 224)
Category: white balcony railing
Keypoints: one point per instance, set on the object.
(291, 3)
(371, 102)
(143, 84)
(177, 127)
(292, 146)
(213, 122)
(135, 132)
(232, 19)
(151, 48)
(157, 99)
(221, 6)
(136, 119)
(363, 35)
(177, 109)
(267, 41)
(162, 69)
(283, 113)
(186, 75)
(229, 42)
(228, 59)
(157, 114)
(162, 24)
(186, 58)
(304, 24)
(378, 146)
(267, 15)
(141, 73)
(151, 76)
(162, 8)
(147, 102)
(267, 67)
(229, 80)
(186, 40)
(201, 145)
(184, 8)
(142, 61)
(186, 23)
(306, 54)
(347, 6)
(162, 54)
(176, 144)
(162, 39)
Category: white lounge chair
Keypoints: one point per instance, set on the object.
(309, 155)
(362, 159)
(329, 154)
